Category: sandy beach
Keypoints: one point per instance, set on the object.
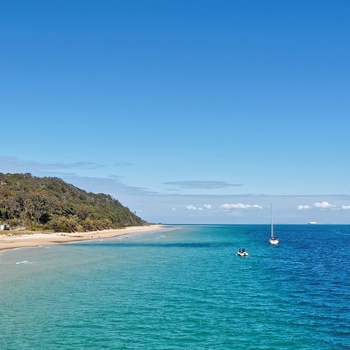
(9, 241)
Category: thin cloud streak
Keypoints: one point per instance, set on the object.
(13, 164)
(200, 185)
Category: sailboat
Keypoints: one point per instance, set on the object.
(273, 239)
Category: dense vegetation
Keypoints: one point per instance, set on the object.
(51, 204)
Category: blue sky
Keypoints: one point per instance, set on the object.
(185, 111)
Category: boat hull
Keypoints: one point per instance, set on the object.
(242, 253)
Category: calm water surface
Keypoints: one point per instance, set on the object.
(181, 288)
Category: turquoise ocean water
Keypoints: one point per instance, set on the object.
(182, 287)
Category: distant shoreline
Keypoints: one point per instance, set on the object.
(40, 239)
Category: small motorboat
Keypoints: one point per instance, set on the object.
(242, 252)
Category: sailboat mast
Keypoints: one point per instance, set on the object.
(271, 222)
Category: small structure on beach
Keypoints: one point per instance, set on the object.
(5, 227)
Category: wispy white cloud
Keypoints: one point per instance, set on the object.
(228, 206)
(193, 207)
(323, 205)
(345, 207)
(205, 206)
(304, 207)
(319, 205)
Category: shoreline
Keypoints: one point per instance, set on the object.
(42, 239)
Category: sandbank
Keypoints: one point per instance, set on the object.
(40, 239)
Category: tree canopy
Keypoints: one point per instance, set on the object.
(49, 203)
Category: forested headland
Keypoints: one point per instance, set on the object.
(50, 204)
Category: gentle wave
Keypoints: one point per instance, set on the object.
(23, 262)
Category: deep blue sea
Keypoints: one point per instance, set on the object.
(182, 287)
